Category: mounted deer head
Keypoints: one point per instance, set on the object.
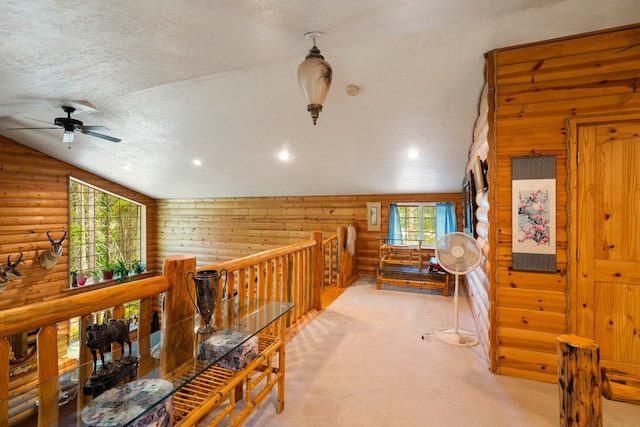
(9, 270)
(50, 257)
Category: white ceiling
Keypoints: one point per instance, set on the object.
(216, 81)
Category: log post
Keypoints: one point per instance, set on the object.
(620, 386)
(4, 382)
(318, 270)
(341, 239)
(47, 340)
(177, 342)
(579, 381)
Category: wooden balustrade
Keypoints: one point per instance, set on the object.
(330, 276)
(293, 273)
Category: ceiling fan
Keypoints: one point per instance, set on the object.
(71, 125)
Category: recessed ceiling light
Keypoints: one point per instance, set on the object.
(285, 155)
(197, 162)
(127, 167)
(413, 154)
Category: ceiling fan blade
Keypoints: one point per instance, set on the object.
(38, 120)
(101, 136)
(32, 128)
(95, 128)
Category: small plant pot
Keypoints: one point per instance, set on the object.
(107, 275)
(82, 281)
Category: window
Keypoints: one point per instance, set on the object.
(418, 223)
(105, 230)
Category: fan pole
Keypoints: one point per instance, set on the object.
(457, 336)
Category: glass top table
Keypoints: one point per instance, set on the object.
(168, 360)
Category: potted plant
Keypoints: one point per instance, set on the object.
(108, 269)
(121, 269)
(82, 278)
(138, 267)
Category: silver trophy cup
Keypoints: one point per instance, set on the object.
(207, 292)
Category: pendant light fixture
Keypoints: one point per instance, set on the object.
(314, 77)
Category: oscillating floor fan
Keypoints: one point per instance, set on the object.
(458, 253)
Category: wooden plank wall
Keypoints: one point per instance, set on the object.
(535, 88)
(35, 198)
(226, 228)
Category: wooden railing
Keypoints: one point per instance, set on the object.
(330, 273)
(43, 316)
(293, 273)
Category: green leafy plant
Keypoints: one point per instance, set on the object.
(121, 269)
(137, 267)
(109, 266)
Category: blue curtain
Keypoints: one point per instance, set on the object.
(395, 227)
(445, 219)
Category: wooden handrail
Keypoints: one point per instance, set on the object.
(34, 316)
(289, 273)
(249, 260)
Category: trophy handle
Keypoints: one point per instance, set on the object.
(186, 277)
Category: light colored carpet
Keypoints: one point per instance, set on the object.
(362, 362)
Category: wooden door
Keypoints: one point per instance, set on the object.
(608, 241)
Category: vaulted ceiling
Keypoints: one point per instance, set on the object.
(216, 81)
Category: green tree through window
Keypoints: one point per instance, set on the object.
(105, 229)
(418, 222)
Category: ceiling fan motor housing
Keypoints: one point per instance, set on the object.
(68, 122)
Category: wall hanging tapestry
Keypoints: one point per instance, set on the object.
(534, 213)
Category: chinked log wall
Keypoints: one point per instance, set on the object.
(477, 281)
(533, 90)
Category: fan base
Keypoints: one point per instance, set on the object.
(458, 337)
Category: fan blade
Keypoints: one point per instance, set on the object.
(101, 136)
(38, 120)
(32, 128)
(94, 128)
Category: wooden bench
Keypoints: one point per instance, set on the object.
(408, 265)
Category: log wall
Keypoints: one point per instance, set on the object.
(477, 281)
(222, 229)
(35, 198)
(34, 190)
(533, 89)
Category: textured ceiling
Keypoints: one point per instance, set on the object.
(216, 81)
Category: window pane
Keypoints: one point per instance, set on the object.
(104, 229)
(418, 222)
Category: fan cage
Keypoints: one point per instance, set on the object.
(458, 253)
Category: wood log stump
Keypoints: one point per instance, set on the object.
(579, 381)
(620, 386)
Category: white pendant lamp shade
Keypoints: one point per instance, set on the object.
(314, 77)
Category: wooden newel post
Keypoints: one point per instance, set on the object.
(579, 381)
(47, 341)
(177, 342)
(318, 271)
(5, 349)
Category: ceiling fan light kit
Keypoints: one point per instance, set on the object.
(314, 78)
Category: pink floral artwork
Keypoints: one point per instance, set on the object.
(534, 219)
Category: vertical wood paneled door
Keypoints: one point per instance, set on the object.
(608, 241)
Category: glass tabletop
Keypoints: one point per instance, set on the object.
(164, 362)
